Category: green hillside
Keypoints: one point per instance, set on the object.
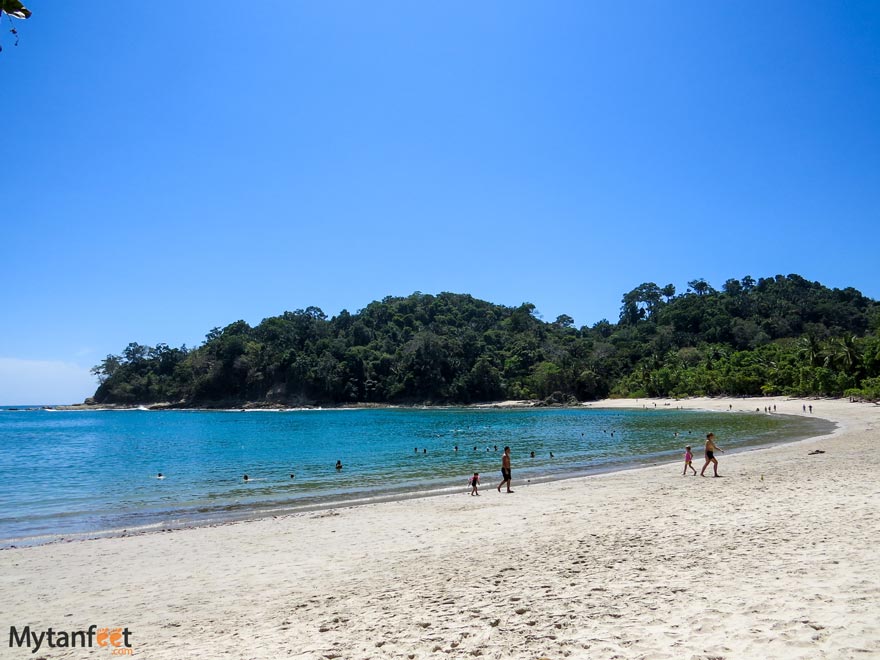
(779, 335)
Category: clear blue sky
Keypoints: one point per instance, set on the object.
(169, 169)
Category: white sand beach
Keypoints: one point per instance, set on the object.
(780, 558)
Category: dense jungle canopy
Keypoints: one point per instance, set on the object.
(776, 335)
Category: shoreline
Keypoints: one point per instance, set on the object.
(265, 406)
(501, 405)
(292, 508)
(606, 566)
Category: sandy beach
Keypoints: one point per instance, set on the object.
(778, 558)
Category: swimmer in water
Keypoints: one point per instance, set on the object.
(338, 465)
(247, 478)
(160, 476)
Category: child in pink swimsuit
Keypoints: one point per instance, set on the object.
(688, 457)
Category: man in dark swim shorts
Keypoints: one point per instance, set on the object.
(711, 448)
(505, 470)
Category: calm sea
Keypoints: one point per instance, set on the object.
(82, 474)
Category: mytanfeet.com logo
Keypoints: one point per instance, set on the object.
(116, 640)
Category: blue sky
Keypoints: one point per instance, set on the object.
(169, 170)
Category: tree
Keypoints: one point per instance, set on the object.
(135, 353)
(564, 321)
(844, 354)
(13, 9)
(700, 287)
(640, 303)
(107, 368)
(732, 287)
(810, 350)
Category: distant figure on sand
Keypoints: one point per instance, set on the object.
(505, 470)
(338, 465)
(475, 481)
(711, 448)
(688, 457)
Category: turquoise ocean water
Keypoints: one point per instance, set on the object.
(86, 473)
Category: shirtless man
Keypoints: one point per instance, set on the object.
(711, 448)
(505, 470)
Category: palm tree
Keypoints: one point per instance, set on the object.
(843, 352)
(714, 353)
(810, 350)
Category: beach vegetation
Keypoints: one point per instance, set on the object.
(779, 335)
(13, 9)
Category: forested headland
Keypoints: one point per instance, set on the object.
(780, 335)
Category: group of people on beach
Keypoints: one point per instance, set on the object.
(506, 474)
(711, 448)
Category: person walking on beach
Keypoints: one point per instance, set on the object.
(711, 448)
(505, 470)
(688, 457)
(475, 481)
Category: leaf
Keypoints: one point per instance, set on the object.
(14, 8)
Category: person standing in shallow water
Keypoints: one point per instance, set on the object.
(711, 448)
(505, 470)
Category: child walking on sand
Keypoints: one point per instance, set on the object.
(688, 457)
(475, 481)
